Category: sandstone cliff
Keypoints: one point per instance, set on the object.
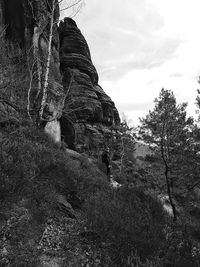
(94, 105)
(76, 105)
(92, 111)
(25, 26)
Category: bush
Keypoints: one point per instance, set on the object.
(33, 168)
(18, 237)
(91, 181)
(180, 249)
(129, 220)
(33, 171)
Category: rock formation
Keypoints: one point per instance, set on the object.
(86, 98)
(25, 24)
(75, 103)
(88, 106)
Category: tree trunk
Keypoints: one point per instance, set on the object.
(165, 160)
(122, 158)
(38, 30)
(170, 193)
(46, 79)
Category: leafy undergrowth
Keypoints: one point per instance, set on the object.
(57, 209)
(129, 220)
(38, 181)
(68, 241)
(61, 242)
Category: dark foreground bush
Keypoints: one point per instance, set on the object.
(33, 171)
(180, 249)
(129, 220)
(27, 156)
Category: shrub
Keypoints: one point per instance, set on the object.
(180, 249)
(33, 171)
(129, 220)
(32, 167)
(90, 181)
(18, 237)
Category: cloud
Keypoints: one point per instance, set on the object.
(132, 107)
(123, 36)
(176, 75)
(157, 54)
(140, 46)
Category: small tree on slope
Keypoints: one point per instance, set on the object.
(168, 130)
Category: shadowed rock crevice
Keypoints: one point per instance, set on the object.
(67, 132)
(14, 21)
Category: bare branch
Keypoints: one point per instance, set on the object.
(3, 32)
(47, 2)
(29, 91)
(31, 5)
(77, 11)
(9, 104)
(70, 6)
(69, 88)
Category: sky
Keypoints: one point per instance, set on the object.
(141, 46)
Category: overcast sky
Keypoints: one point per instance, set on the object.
(140, 46)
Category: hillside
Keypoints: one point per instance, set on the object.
(60, 204)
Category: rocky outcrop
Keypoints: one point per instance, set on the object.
(86, 98)
(75, 103)
(88, 106)
(26, 26)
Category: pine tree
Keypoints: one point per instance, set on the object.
(123, 147)
(168, 130)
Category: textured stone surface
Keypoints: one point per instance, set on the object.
(27, 27)
(73, 94)
(86, 97)
(86, 103)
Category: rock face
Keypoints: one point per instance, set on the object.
(26, 26)
(85, 97)
(2, 22)
(88, 106)
(75, 102)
